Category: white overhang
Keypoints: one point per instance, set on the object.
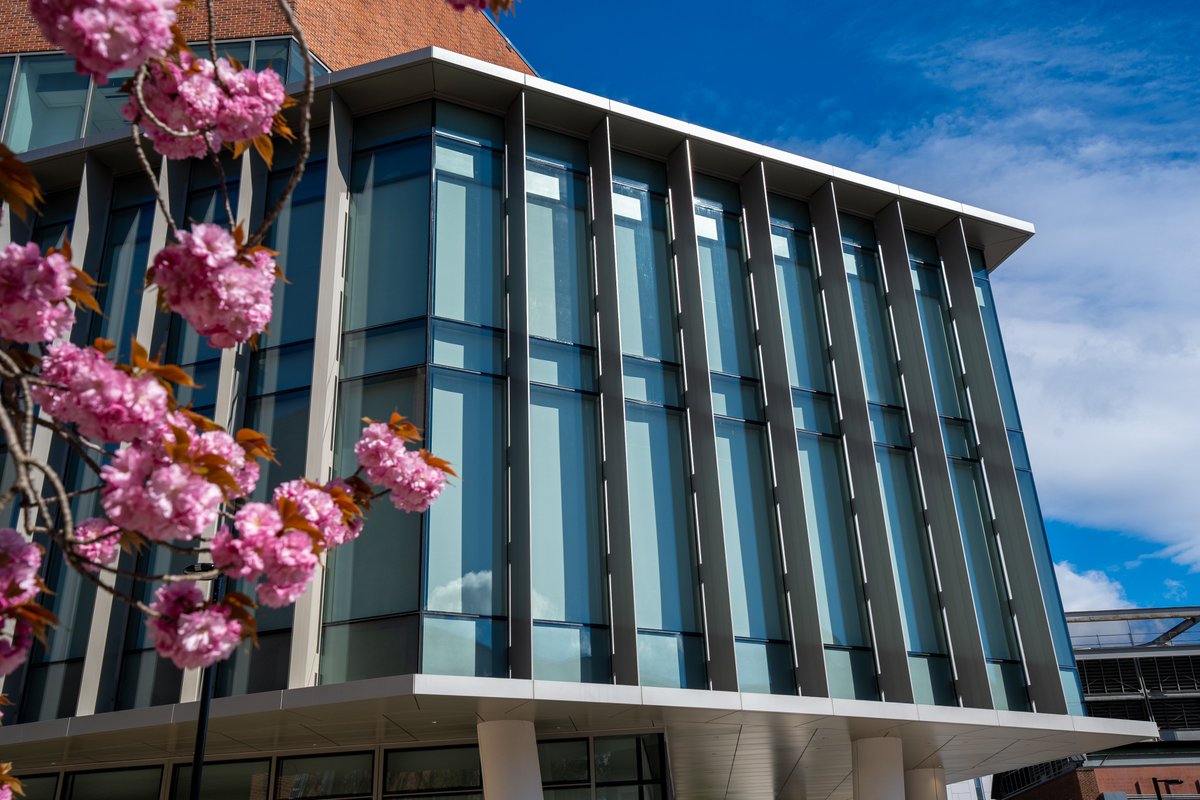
(721, 744)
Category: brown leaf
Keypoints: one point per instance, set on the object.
(256, 445)
(265, 147)
(18, 187)
(437, 463)
(81, 291)
(105, 346)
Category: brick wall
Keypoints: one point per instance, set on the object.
(1078, 785)
(342, 33)
(1139, 780)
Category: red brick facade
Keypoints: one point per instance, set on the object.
(1089, 784)
(342, 33)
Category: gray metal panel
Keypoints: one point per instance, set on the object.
(520, 546)
(612, 413)
(706, 489)
(318, 463)
(883, 605)
(958, 605)
(1025, 592)
(781, 429)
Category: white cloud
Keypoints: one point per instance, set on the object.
(1088, 590)
(1100, 309)
(1176, 591)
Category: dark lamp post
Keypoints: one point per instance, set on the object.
(206, 693)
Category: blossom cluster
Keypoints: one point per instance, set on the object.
(34, 290)
(104, 402)
(225, 294)
(171, 486)
(217, 103)
(19, 564)
(96, 542)
(412, 482)
(190, 631)
(107, 35)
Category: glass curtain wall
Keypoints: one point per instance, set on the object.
(47, 105)
(666, 586)
(55, 219)
(279, 390)
(433, 772)
(837, 570)
(604, 768)
(752, 552)
(925, 638)
(1029, 499)
(129, 784)
(372, 585)
(465, 593)
(571, 639)
(970, 494)
(227, 780)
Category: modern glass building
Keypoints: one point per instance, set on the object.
(745, 509)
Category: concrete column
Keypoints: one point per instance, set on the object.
(925, 784)
(509, 757)
(879, 769)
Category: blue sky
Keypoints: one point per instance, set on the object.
(1083, 118)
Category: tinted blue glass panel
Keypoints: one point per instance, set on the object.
(644, 274)
(470, 125)
(372, 648)
(725, 284)
(736, 397)
(468, 234)
(55, 219)
(1008, 686)
(565, 501)
(851, 674)
(555, 148)
(837, 576)
(959, 438)
(932, 680)
(6, 70)
(751, 546)
(652, 382)
(640, 173)
(280, 369)
(104, 110)
(296, 234)
(122, 275)
(923, 247)
(47, 103)
(1045, 568)
(889, 426)
(671, 660)
(468, 347)
(857, 231)
(873, 325)
(1020, 453)
(393, 125)
(800, 304)
(659, 493)
(383, 349)
(561, 299)
(558, 364)
(464, 646)
(465, 549)
(387, 255)
(283, 419)
(816, 413)
(991, 328)
(718, 194)
(940, 345)
(764, 667)
(577, 653)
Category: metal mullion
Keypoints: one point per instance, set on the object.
(960, 621)
(858, 448)
(1032, 624)
(793, 534)
(520, 552)
(702, 440)
(621, 594)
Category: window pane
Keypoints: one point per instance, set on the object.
(468, 234)
(911, 557)
(644, 274)
(940, 344)
(261, 668)
(55, 219)
(6, 70)
(240, 780)
(735, 397)
(576, 653)
(561, 300)
(465, 646)
(800, 305)
(725, 284)
(873, 326)
(466, 545)
(568, 546)
(564, 761)
(47, 103)
(468, 347)
(296, 234)
(764, 667)
(383, 349)
(378, 573)
(128, 784)
(995, 342)
(851, 674)
(370, 649)
(388, 241)
(121, 276)
(559, 364)
(42, 787)
(104, 111)
(283, 419)
(834, 546)
(346, 776)
(467, 123)
(751, 546)
(440, 768)
(932, 680)
(272, 54)
(671, 660)
(660, 523)
(653, 382)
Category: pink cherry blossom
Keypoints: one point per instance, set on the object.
(103, 402)
(190, 632)
(316, 506)
(243, 557)
(219, 103)
(225, 297)
(107, 35)
(15, 649)
(148, 492)
(19, 563)
(6, 793)
(98, 542)
(33, 294)
(290, 562)
(413, 483)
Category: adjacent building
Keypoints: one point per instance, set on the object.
(745, 509)
(1137, 664)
